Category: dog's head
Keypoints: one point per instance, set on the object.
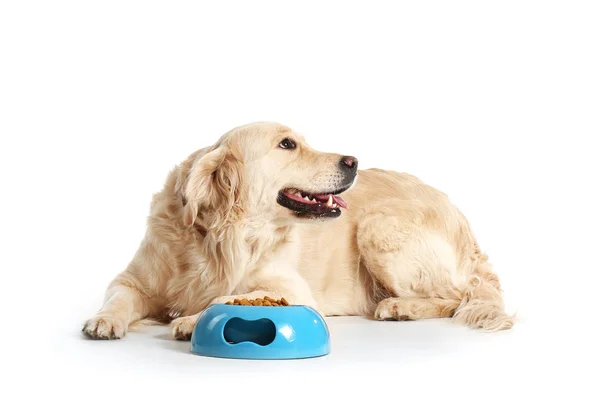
(265, 169)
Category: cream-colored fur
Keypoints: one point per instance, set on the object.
(215, 232)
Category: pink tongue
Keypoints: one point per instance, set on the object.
(340, 201)
(337, 199)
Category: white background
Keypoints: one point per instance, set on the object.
(495, 103)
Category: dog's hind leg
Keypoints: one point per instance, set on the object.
(418, 274)
(412, 266)
(124, 304)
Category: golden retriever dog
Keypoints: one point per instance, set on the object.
(260, 213)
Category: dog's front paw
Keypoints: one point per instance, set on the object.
(182, 327)
(224, 299)
(105, 327)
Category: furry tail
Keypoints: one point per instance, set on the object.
(484, 315)
(482, 306)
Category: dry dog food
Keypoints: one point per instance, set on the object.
(265, 301)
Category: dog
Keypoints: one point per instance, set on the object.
(261, 213)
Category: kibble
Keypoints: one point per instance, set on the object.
(265, 301)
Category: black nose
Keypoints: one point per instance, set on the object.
(349, 162)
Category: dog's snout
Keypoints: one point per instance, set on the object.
(349, 162)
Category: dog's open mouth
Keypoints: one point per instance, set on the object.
(312, 204)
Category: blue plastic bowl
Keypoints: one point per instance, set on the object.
(260, 332)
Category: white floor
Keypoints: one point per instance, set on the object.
(397, 359)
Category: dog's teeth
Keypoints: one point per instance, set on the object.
(329, 201)
(334, 205)
(313, 200)
(306, 198)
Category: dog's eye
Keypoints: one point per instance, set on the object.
(287, 144)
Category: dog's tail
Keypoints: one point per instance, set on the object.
(482, 306)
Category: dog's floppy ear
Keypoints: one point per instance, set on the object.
(214, 185)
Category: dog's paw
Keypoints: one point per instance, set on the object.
(105, 328)
(182, 327)
(394, 309)
(225, 299)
